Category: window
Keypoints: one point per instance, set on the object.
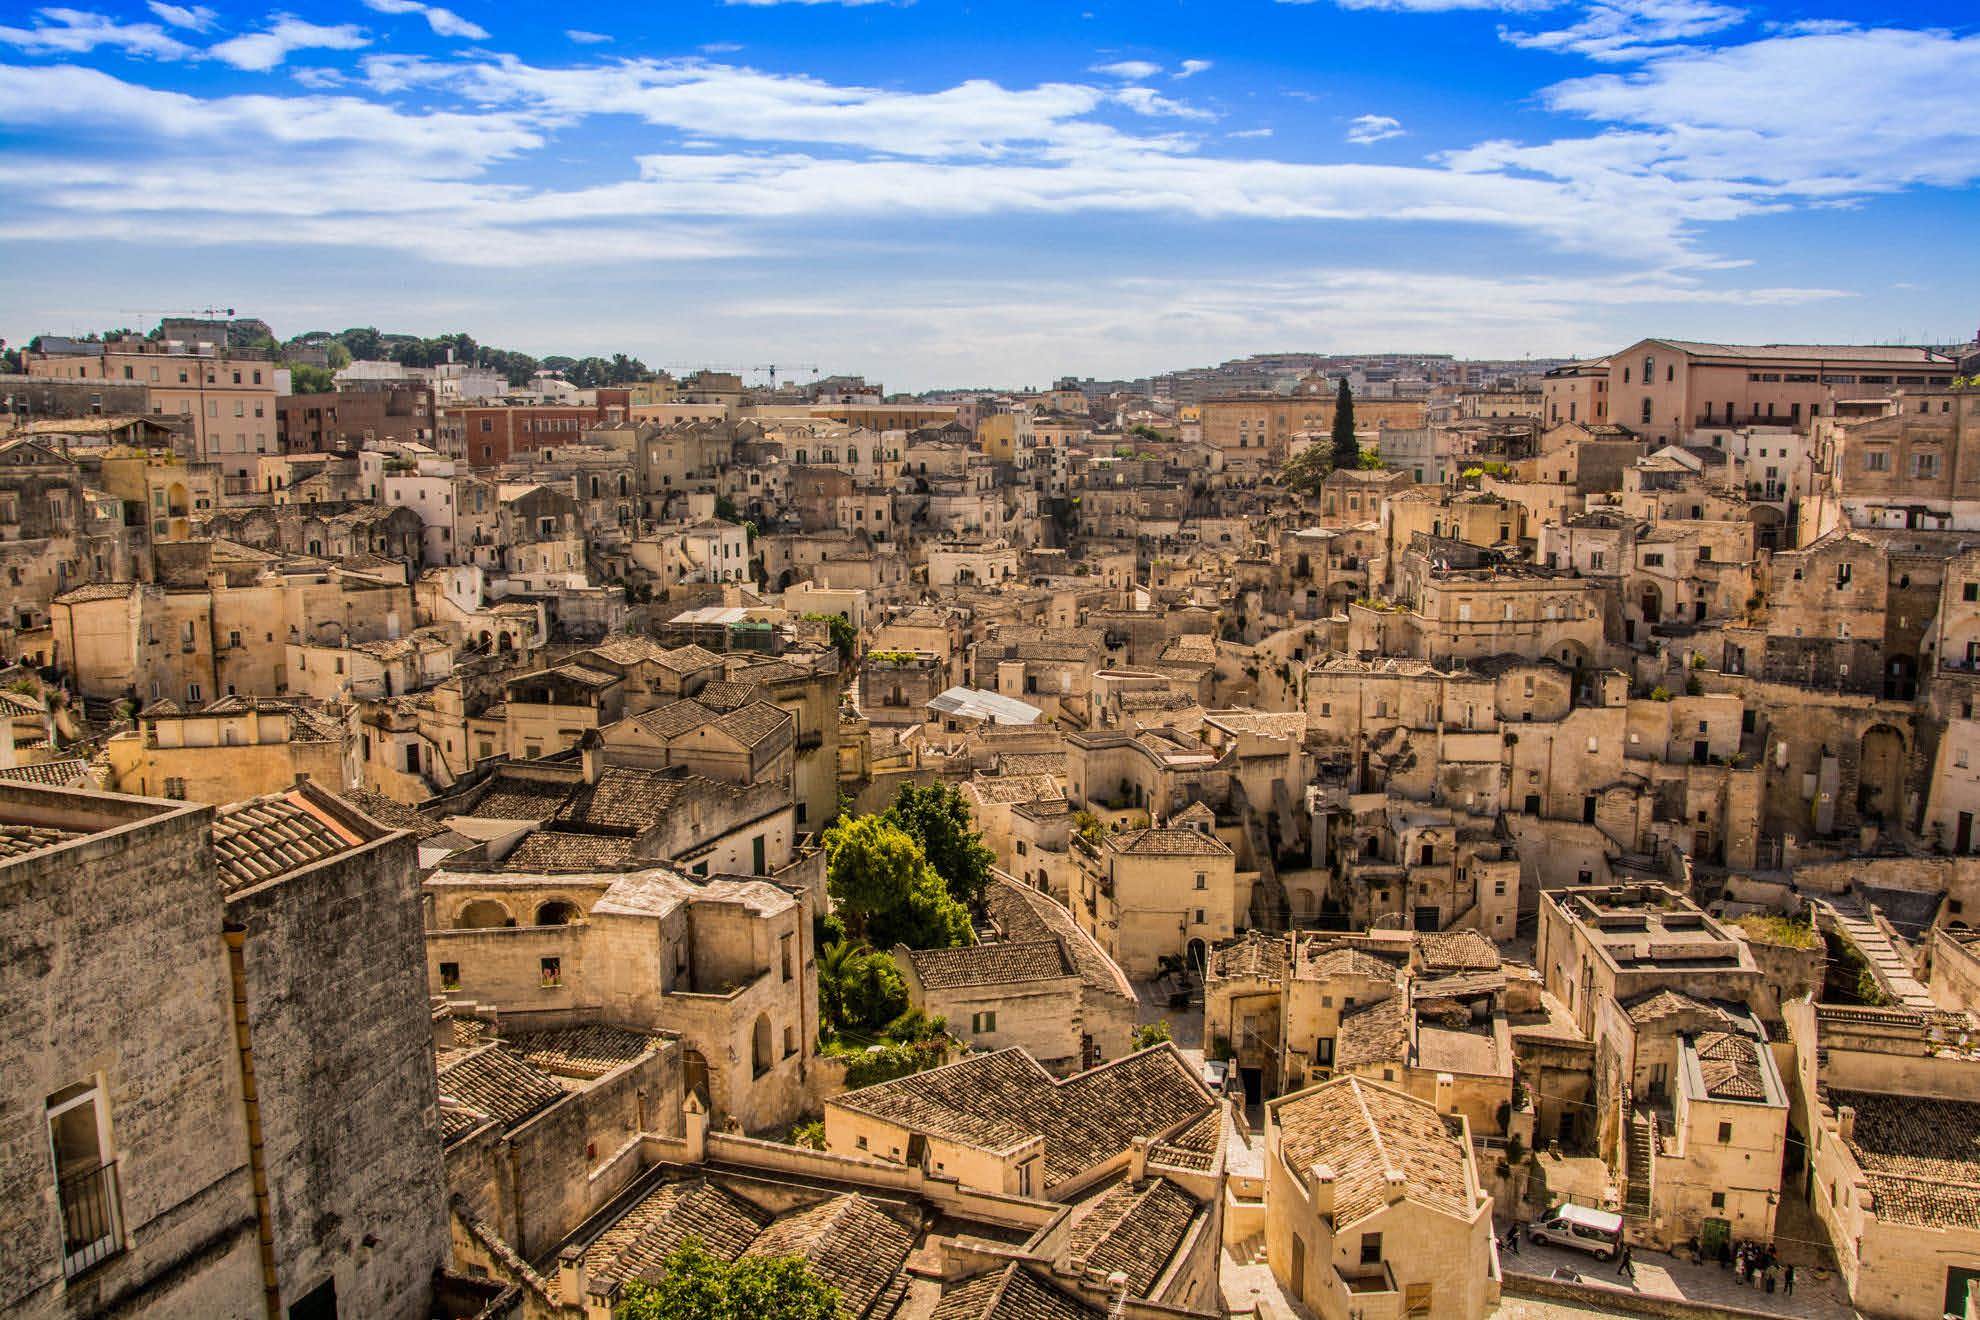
(982, 1024)
(85, 1176)
(1718, 1200)
(1199, 916)
(784, 948)
(553, 972)
(1925, 464)
(1725, 1133)
(1202, 880)
(1653, 560)
(450, 976)
(1371, 1248)
(1876, 460)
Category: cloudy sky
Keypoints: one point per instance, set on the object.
(942, 192)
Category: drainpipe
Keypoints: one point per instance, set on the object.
(264, 1214)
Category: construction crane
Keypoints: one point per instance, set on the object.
(208, 313)
(771, 369)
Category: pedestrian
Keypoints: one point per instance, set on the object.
(1787, 1281)
(1770, 1280)
(1625, 1266)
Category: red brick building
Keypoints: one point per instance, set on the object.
(488, 436)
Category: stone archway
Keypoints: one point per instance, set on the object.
(483, 914)
(761, 1055)
(1880, 774)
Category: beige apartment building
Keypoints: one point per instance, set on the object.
(1577, 392)
(1259, 430)
(1667, 388)
(224, 398)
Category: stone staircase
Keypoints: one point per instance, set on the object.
(1892, 970)
(1251, 1251)
(1636, 1194)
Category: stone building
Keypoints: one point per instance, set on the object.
(140, 1172)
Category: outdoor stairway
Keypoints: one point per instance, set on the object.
(1251, 1251)
(1636, 1196)
(1893, 973)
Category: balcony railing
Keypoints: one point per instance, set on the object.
(92, 1228)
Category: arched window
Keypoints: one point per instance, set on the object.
(557, 913)
(484, 914)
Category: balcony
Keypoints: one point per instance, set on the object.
(92, 1227)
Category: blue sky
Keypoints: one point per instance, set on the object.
(950, 193)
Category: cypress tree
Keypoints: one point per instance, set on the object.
(1347, 450)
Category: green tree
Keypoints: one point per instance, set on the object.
(699, 1285)
(938, 819)
(1347, 449)
(845, 637)
(1151, 1033)
(1308, 468)
(305, 379)
(885, 891)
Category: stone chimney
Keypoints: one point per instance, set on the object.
(571, 1279)
(1138, 1159)
(1394, 1185)
(1321, 1177)
(591, 749)
(694, 1128)
(1846, 1123)
(1446, 1093)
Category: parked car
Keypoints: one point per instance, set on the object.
(1597, 1232)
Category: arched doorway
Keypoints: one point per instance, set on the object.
(556, 912)
(1880, 774)
(1651, 603)
(760, 1056)
(484, 914)
(694, 1074)
(1198, 957)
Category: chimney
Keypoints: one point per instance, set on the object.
(694, 1127)
(1394, 1184)
(591, 748)
(1846, 1123)
(1138, 1159)
(571, 1276)
(1446, 1093)
(1321, 1178)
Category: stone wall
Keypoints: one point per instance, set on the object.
(343, 1052)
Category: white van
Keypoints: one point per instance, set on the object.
(1598, 1232)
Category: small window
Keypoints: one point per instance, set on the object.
(1718, 1200)
(1725, 1133)
(982, 1024)
(85, 1177)
(450, 976)
(1202, 880)
(1371, 1248)
(553, 972)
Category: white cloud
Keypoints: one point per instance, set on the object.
(444, 22)
(1132, 70)
(1190, 68)
(583, 38)
(319, 80)
(59, 31)
(1619, 30)
(261, 51)
(1367, 130)
(1146, 101)
(198, 18)
(1250, 133)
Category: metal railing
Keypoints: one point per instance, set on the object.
(92, 1227)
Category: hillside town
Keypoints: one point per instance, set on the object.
(1341, 835)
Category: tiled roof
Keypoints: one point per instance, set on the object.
(551, 851)
(1001, 1100)
(637, 1246)
(1012, 1293)
(1906, 353)
(499, 1084)
(1017, 764)
(1161, 842)
(1008, 788)
(1365, 1132)
(270, 836)
(720, 694)
(1378, 1033)
(20, 840)
(1664, 1003)
(588, 1051)
(1457, 950)
(1921, 1156)
(848, 1242)
(759, 724)
(1253, 954)
(391, 813)
(52, 774)
(1319, 962)
(1729, 1066)
(989, 964)
(629, 798)
(96, 591)
(1134, 1228)
(687, 659)
(1024, 915)
(514, 797)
